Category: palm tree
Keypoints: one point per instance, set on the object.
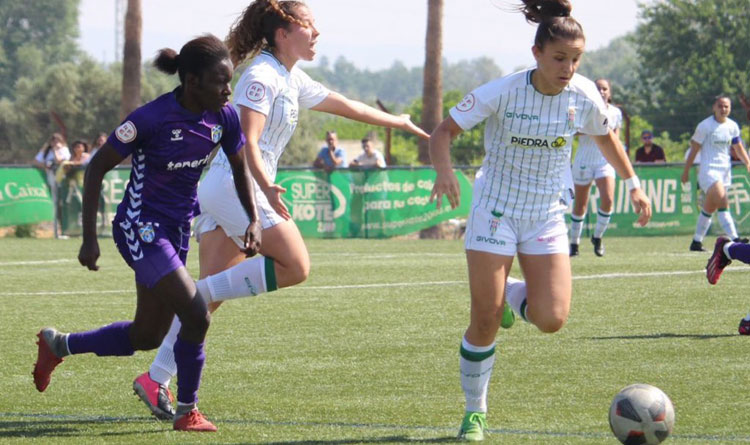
(131, 59)
(432, 85)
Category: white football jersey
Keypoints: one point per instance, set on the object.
(588, 152)
(716, 140)
(268, 87)
(528, 140)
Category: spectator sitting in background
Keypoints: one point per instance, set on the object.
(649, 152)
(370, 157)
(330, 156)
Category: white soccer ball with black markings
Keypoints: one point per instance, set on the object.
(641, 414)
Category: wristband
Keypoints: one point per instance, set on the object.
(633, 183)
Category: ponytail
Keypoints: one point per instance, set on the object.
(195, 57)
(553, 17)
(167, 61)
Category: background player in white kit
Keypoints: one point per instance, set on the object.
(589, 165)
(275, 35)
(714, 137)
(520, 192)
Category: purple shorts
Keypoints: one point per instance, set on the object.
(152, 250)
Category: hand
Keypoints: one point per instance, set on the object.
(88, 254)
(273, 194)
(685, 176)
(409, 126)
(446, 184)
(642, 205)
(252, 239)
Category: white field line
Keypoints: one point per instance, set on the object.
(34, 263)
(406, 284)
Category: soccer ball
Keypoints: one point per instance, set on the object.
(641, 414)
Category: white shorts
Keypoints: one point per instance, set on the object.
(709, 177)
(584, 173)
(507, 236)
(220, 206)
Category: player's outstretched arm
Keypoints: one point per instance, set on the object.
(339, 105)
(103, 161)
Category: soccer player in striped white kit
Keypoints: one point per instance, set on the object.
(714, 137)
(275, 35)
(522, 191)
(589, 165)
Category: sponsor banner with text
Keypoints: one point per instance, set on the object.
(380, 203)
(366, 203)
(675, 205)
(24, 197)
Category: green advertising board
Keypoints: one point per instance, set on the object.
(24, 197)
(675, 205)
(366, 203)
(379, 203)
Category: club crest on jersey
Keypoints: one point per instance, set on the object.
(146, 232)
(467, 103)
(255, 92)
(216, 132)
(571, 117)
(126, 132)
(176, 134)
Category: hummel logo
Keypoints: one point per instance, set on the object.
(176, 134)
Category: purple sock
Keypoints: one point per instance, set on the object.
(113, 339)
(740, 251)
(189, 358)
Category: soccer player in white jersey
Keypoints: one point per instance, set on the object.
(274, 35)
(714, 137)
(520, 192)
(589, 165)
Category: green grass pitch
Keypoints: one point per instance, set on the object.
(366, 351)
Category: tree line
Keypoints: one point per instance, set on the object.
(664, 74)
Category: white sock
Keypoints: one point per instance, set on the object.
(727, 223)
(726, 249)
(249, 278)
(602, 221)
(576, 228)
(163, 368)
(515, 296)
(701, 228)
(476, 368)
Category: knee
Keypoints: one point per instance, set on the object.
(145, 339)
(551, 322)
(196, 324)
(296, 272)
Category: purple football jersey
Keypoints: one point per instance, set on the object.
(170, 146)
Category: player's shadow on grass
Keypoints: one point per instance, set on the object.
(388, 439)
(61, 428)
(662, 335)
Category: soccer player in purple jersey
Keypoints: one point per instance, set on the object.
(170, 140)
(726, 250)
